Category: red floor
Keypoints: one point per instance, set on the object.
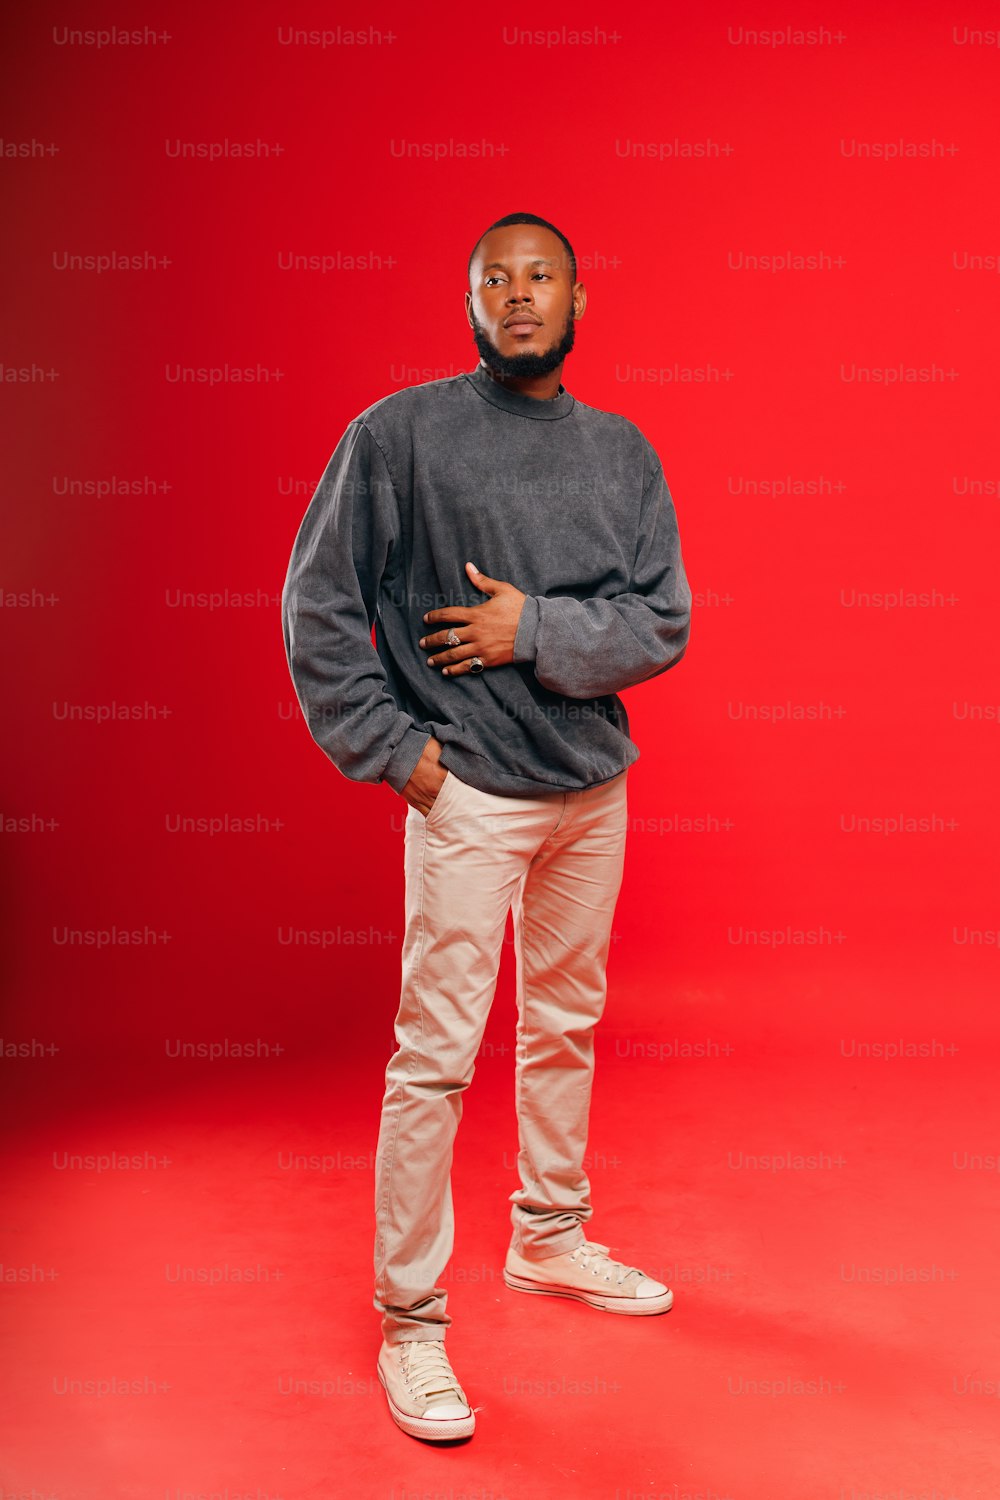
(202, 1326)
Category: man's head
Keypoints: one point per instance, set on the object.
(523, 296)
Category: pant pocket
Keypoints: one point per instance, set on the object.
(445, 788)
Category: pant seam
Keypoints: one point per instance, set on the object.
(387, 1195)
(525, 1054)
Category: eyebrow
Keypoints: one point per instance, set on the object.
(498, 265)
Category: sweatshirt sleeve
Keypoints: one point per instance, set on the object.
(585, 648)
(344, 544)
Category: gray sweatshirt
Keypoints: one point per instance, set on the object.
(563, 500)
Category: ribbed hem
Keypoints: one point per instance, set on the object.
(526, 635)
(401, 763)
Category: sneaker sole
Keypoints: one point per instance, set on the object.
(437, 1430)
(631, 1306)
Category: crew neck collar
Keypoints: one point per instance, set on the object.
(518, 403)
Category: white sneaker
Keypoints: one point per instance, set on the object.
(425, 1399)
(589, 1275)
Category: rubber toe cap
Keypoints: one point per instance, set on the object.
(453, 1411)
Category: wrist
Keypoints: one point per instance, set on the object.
(526, 635)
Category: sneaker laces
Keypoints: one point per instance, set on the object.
(596, 1258)
(428, 1372)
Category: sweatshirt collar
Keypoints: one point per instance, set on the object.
(515, 401)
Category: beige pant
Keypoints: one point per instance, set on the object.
(558, 858)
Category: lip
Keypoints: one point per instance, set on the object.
(522, 325)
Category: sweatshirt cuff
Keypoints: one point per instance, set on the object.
(402, 762)
(526, 635)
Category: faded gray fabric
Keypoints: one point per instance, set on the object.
(563, 500)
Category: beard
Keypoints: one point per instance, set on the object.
(523, 364)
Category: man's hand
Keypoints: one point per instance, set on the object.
(425, 783)
(484, 630)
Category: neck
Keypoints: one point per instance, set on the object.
(540, 387)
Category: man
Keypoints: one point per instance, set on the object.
(489, 702)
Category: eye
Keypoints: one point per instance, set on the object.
(488, 279)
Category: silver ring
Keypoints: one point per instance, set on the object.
(452, 638)
(476, 664)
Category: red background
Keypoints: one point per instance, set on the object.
(737, 821)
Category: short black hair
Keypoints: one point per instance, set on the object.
(524, 219)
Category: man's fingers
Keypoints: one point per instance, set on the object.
(440, 638)
(462, 665)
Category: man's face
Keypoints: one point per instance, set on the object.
(522, 301)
